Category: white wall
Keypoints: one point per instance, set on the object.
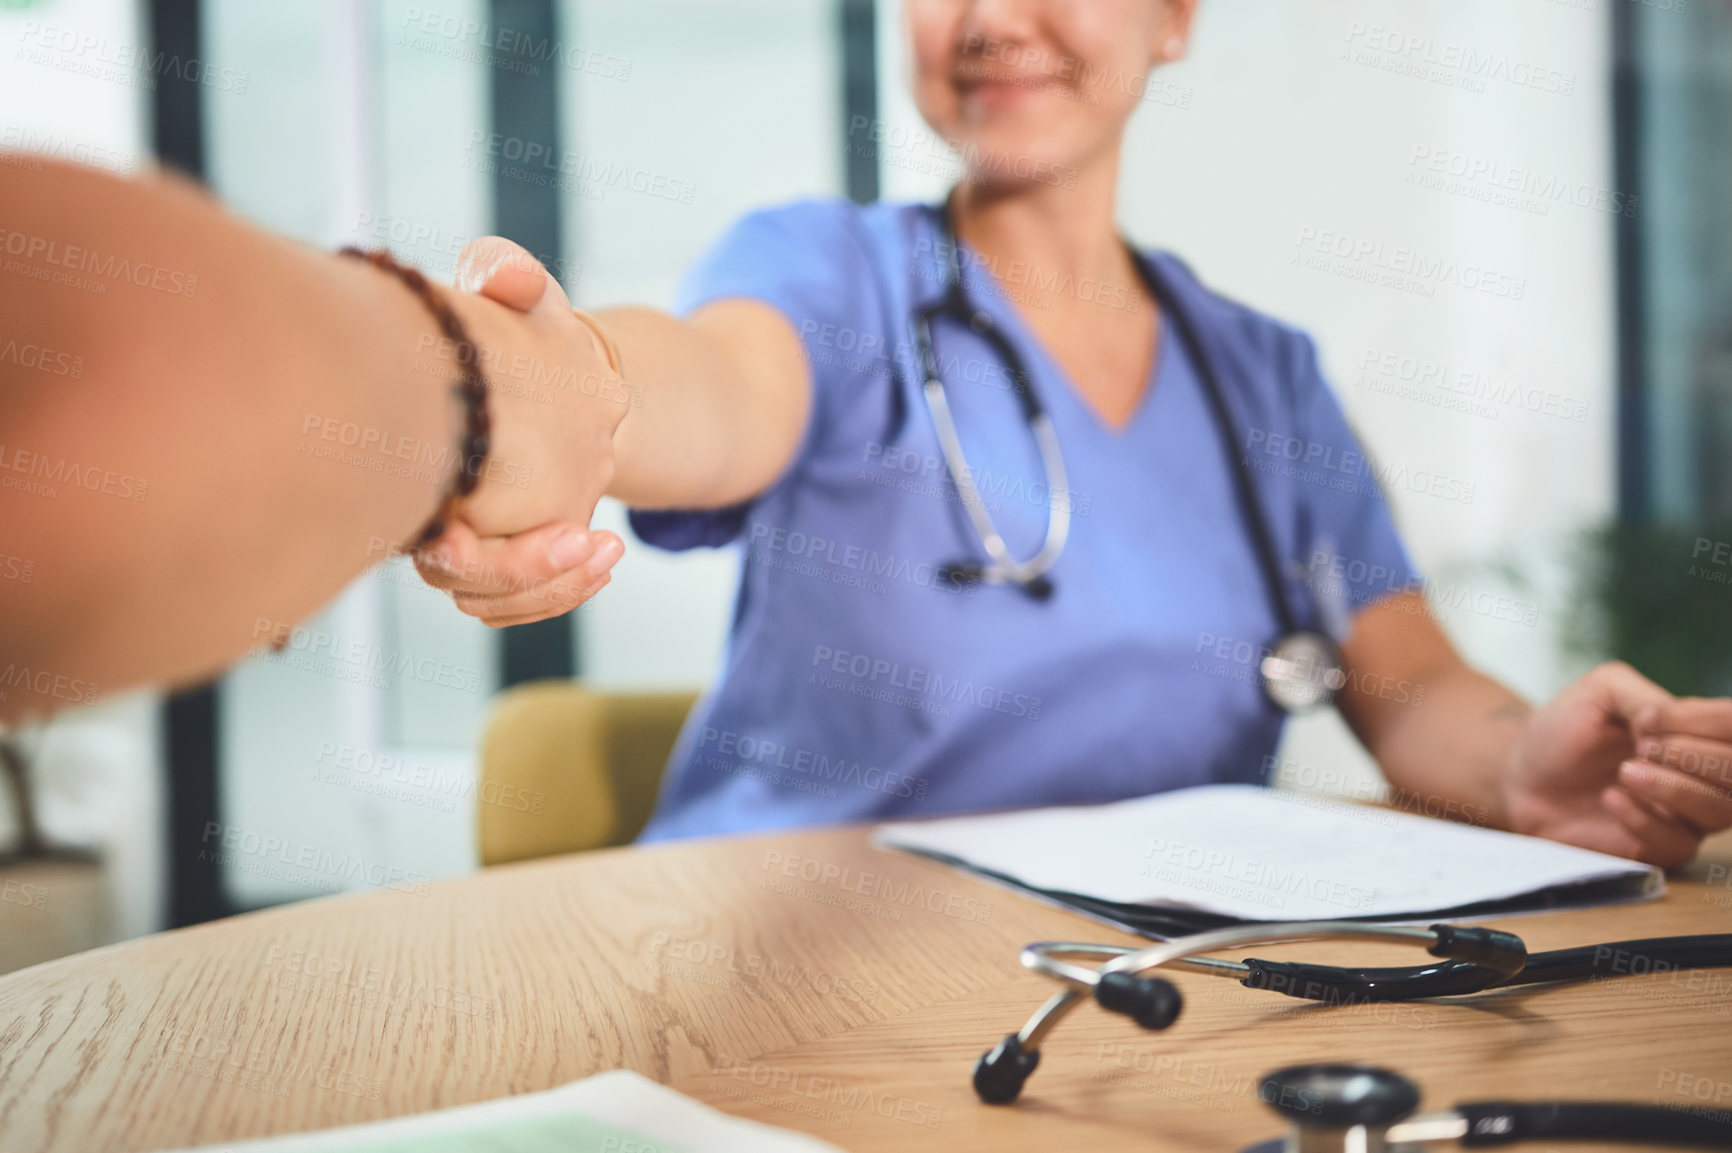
(708, 101)
(1289, 129)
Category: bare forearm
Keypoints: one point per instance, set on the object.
(719, 402)
(191, 481)
(1441, 731)
(1448, 754)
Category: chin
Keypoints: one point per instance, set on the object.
(1004, 160)
(1019, 138)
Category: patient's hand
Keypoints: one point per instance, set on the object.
(1618, 764)
(523, 550)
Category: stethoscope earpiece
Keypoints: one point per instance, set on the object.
(1001, 1071)
(1151, 1002)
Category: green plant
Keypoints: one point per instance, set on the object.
(1659, 597)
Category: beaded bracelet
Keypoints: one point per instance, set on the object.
(471, 386)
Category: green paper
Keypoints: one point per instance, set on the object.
(567, 1134)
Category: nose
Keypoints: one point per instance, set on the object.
(991, 23)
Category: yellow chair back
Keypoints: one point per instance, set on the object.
(565, 769)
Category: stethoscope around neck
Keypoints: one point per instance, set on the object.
(1301, 671)
(1001, 567)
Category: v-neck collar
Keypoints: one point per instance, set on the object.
(986, 293)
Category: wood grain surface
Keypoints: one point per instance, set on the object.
(809, 981)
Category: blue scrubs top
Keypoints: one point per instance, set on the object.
(859, 685)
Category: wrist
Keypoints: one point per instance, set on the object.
(605, 347)
(448, 330)
(1514, 806)
(515, 401)
(608, 378)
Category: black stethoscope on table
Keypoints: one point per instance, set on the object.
(1301, 670)
(1364, 1109)
(1471, 960)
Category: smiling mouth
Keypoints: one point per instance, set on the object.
(971, 75)
(972, 78)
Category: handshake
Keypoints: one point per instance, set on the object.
(520, 548)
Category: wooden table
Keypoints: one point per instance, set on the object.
(809, 981)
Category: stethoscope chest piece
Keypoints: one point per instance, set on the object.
(1337, 1108)
(1364, 1109)
(1303, 671)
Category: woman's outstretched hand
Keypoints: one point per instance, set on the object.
(523, 550)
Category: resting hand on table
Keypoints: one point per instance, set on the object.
(1616, 763)
(522, 550)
